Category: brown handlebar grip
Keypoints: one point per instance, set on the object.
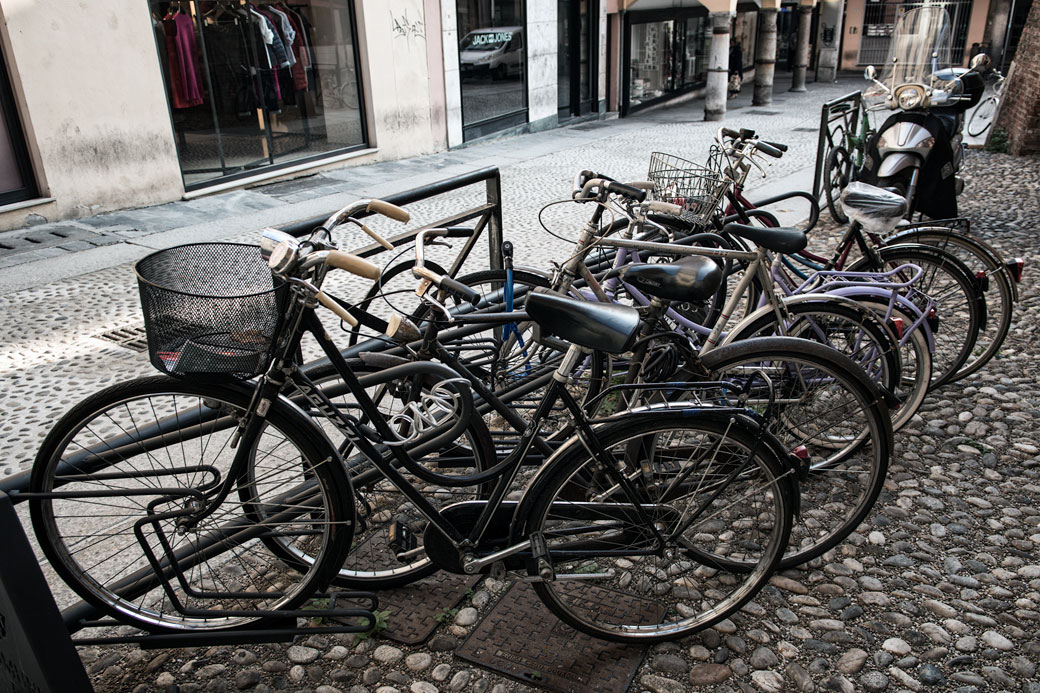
(336, 308)
(388, 210)
(353, 264)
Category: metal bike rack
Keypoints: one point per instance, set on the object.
(844, 113)
(487, 216)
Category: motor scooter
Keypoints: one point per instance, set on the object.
(919, 149)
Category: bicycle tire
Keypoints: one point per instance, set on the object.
(837, 174)
(959, 305)
(674, 589)
(863, 337)
(977, 256)
(372, 563)
(90, 541)
(982, 117)
(827, 405)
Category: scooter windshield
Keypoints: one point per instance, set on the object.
(919, 48)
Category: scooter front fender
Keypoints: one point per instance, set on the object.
(895, 162)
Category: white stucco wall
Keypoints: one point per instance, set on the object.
(452, 83)
(542, 37)
(397, 81)
(602, 60)
(91, 95)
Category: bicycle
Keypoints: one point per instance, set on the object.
(596, 521)
(843, 162)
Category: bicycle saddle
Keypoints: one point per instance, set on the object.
(778, 239)
(603, 326)
(692, 278)
(874, 208)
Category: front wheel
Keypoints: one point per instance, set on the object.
(639, 536)
(141, 530)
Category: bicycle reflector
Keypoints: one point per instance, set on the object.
(897, 325)
(1015, 268)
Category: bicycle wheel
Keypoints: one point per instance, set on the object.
(133, 461)
(960, 307)
(982, 117)
(857, 332)
(992, 277)
(837, 174)
(373, 562)
(701, 482)
(826, 409)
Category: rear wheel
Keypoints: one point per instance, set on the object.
(982, 117)
(643, 560)
(826, 410)
(837, 174)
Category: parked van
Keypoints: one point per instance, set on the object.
(498, 51)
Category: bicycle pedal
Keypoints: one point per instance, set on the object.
(400, 539)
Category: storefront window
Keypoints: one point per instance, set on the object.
(698, 47)
(653, 69)
(16, 179)
(253, 85)
(492, 65)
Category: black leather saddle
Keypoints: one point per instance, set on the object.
(692, 278)
(602, 326)
(779, 239)
(872, 201)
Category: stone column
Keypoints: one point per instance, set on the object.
(802, 64)
(765, 57)
(716, 91)
(831, 13)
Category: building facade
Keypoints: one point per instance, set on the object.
(136, 102)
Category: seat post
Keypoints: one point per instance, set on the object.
(570, 360)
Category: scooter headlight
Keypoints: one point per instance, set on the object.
(910, 96)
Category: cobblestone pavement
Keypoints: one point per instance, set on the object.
(938, 590)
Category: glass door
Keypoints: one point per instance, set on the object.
(577, 22)
(16, 179)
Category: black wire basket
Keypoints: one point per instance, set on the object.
(211, 310)
(695, 188)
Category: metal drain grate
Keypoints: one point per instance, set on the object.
(133, 338)
(805, 129)
(521, 638)
(761, 112)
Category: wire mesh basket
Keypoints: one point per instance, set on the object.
(210, 309)
(695, 188)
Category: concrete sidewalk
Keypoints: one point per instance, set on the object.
(619, 147)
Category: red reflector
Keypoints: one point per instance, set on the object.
(897, 323)
(1015, 267)
(801, 452)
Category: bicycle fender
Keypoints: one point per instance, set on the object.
(992, 254)
(833, 297)
(902, 304)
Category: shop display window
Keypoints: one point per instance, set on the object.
(492, 65)
(258, 84)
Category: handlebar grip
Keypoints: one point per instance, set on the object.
(769, 149)
(336, 308)
(746, 133)
(730, 133)
(353, 264)
(664, 208)
(388, 210)
(779, 145)
(453, 286)
(628, 191)
(642, 184)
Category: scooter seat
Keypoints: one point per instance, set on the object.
(778, 239)
(862, 198)
(607, 327)
(692, 278)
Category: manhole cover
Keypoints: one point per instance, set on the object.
(761, 112)
(521, 638)
(133, 338)
(417, 609)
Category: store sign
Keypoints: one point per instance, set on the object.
(36, 653)
(490, 39)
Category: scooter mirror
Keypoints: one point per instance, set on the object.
(870, 73)
(980, 62)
